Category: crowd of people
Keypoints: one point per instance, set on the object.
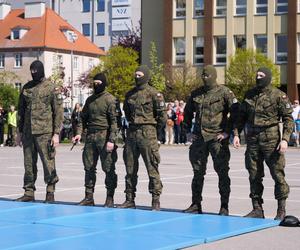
(211, 114)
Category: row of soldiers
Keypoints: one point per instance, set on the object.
(217, 114)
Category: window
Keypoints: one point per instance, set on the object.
(103, 48)
(16, 34)
(240, 7)
(18, 60)
(281, 6)
(221, 7)
(261, 7)
(60, 60)
(86, 29)
(2, 61)
(75, 62)
(86, 5)
(180, 8)
(240, 42)
(199, 8)
(198, 50)
(18, 86)
(100, 29)
(100, 5)
(220, 43)
(179, 44)
(261, 43)
(91, 63)
(281, 48)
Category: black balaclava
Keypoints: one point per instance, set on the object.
(209, 77)
(39, 68)
(265, 81)
(98, 88)
(145, 79)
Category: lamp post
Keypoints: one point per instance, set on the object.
(72, 38)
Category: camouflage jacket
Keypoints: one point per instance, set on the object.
(263, 109)
(101, 112)
(40, 108)
(145, 105)
(213, 110)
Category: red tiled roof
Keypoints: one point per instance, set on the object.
(44, 32)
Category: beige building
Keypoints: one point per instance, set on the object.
(204, 32)
(37, 32)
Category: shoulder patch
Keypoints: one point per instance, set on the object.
(288, 106)
(158, 94)
(284, 96)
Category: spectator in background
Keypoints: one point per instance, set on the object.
(176, 131)
(296, 114)
(2, 122)
(75, 118)
(12, 126)
(171, 116)
(182, 135)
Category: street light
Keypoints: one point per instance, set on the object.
(72, 38)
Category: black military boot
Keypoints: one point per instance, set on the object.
(49, 197)
(280, 210)
(109, 202)
(195, 208)
(257, 211)
(25, 198)
(155, 203)
(129, 202)
(88, 200)
(224, 209)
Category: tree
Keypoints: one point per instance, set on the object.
(131, 39)
(240, 75)
(158, 80)
(8, 96)
(119, 65)
(182, 82)
(8, 77)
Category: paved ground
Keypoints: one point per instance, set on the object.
(176, 175)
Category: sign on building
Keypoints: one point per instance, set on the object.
(121, 24)
(121, 12)
(120, 2)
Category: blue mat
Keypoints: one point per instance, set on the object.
(41, 226)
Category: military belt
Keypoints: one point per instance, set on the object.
(95, 130)
(257, 130)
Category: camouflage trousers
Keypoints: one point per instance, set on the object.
(142, 140)
(263, 147)
(11, 135)
(95, 146)
(199, 151)
(32, 146)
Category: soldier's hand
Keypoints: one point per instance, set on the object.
(77, 138)
(19, 139)
(236, 142)
(222, 136)
(55, 140)
(282, 147)
(110, 147)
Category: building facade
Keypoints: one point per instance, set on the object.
(204, 32)
(101, 21)
(37, 32)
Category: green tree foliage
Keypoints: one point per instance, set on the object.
(8, 95)
(158, 80)
(119, 65)
(240, 75)
(182, 82)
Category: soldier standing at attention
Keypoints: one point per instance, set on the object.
(39, 121)
(145, 111)
(212, 104)
(263, 108)
(99, 116)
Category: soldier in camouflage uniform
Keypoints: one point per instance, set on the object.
(99, 116)
(212, 104)
(39, 121)
(260, 114)
(145, 111)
